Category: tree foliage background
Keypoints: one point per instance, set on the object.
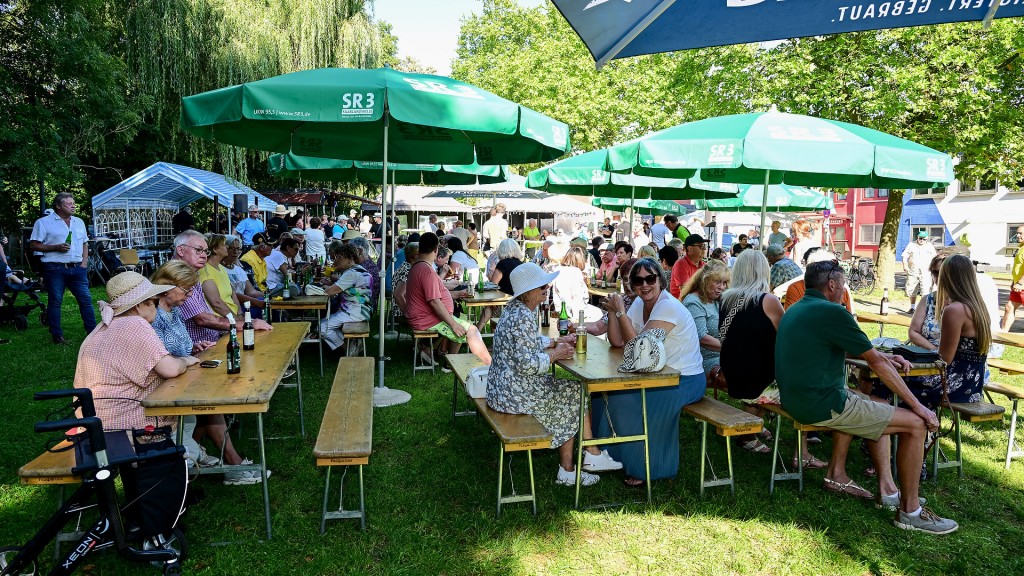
(956, 88)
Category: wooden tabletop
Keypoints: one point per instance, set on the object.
(1006, 366)
(214, 391)
(1009, 338)
(487, 298)
(916, 368)
(896, 319)
(599, 370)
(300, 303)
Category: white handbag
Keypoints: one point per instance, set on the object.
(645, 353)
(476, 382)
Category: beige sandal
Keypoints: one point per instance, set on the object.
(756, 446)
(850, 488)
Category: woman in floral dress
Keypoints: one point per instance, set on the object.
(519, 380)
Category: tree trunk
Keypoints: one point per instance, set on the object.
(885, 264)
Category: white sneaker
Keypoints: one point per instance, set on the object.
(600, 462)
(244, 477)
(566, 478)
(205, 460)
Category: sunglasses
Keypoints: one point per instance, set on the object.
(641, 280)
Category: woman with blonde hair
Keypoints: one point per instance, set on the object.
(647, 251)
(216, 285)
(702, 295)
(965, 332)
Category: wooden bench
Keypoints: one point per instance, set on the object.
(972, 412)
(1014, 394)
(776, 457)
(355, 332)
(728, 421)
(417, 363)
(54, 469)
(461, 364)
(346, 433)
(515, 432)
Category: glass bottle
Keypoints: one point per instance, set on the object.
(248, 332)
(563, 321)
(234, 352)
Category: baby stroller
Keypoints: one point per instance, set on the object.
(19, 297)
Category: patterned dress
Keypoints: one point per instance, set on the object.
(519, 380)
(354, 304)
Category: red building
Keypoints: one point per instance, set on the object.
(856, 223)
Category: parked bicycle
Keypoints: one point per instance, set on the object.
(154, 479)
(860, 275)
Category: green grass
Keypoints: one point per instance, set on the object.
(431, 489)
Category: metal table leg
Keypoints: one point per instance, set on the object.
(319, 345)
(298, 384)
(647, 453)
(263, 472)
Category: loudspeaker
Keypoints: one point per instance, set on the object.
(241, 204)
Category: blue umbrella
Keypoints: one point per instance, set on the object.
(620, 29)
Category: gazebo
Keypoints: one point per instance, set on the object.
(137, 212)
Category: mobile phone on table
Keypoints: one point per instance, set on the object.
(210, 363)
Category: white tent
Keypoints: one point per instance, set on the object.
(138, 210)
(413, 199)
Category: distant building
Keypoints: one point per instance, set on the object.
(856, 224)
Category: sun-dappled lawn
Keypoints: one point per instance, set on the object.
(430, 498)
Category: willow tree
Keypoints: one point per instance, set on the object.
(181, 47)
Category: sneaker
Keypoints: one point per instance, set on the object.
(927, 521)
(205, 460)
(600, 462)
(288, 374)
(566, 478)
(892, 503)
(243, 477)
(446, 370)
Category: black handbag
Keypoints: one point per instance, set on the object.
(916, 354)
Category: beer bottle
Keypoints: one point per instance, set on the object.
(480, 280)
(286, 292)
(581, 336)
(563, 321)
(68, 240)
(545, 312)
(248, 332)
(883, 307)
(234, 353)
(266, 305)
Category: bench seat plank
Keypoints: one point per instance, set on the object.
(977, 411)
(51, 467)
(347, 427)
(356, 329)
(1007, 366)
(516, 431)
(1005, 390)
(728, 420)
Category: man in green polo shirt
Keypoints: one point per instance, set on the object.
(814, 337)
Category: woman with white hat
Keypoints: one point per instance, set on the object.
(519, 380)
(123, 359)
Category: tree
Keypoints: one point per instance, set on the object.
(64, 99)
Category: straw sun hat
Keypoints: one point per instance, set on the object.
(280, 210)
(127, 290)
(528, 276)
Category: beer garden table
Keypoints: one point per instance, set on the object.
(598, 371)
(203, 391)
(316, 303)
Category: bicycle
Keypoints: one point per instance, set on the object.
(100, 456)
(860, 275)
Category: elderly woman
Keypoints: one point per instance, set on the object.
(352, 290)
(702, 297)
(654, 308)
(509, 256)
(182, 280)
(215, 280)
(123, 359)
(520, 381)
(609, 266)
(240, 283)
(570, 288)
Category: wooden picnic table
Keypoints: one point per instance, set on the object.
(1009, 338)
(201, 391)
(602, 292)
(883, 319)
(315, 303)
(916, 368)
(598, 371)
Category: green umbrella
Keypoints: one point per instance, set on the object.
(774, 148)
(345, 113)
(647, 207)
(331, 170)
(379, 115)
(781, 198)
(585, 175)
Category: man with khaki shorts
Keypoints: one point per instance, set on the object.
(814, 337)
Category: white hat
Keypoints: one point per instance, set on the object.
(127, 290)
(280, 210)
(821, 256)
(528, 276)
(297, 232)
(253, 208)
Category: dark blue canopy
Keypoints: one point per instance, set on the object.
(622, 28)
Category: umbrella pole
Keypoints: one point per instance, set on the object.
(381, 303)
(764, 207)
(629, 225)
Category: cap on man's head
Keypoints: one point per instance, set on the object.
(775, 251)
(377, 215)
(261, 238)
(693, 240)
(922, 234)
(253, 208)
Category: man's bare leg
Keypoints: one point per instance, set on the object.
(911, 431)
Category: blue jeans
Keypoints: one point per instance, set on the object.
(76, 279)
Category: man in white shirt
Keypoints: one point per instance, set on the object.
(278, 263)
(62, 241)
(917, 256)
(496, 228)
